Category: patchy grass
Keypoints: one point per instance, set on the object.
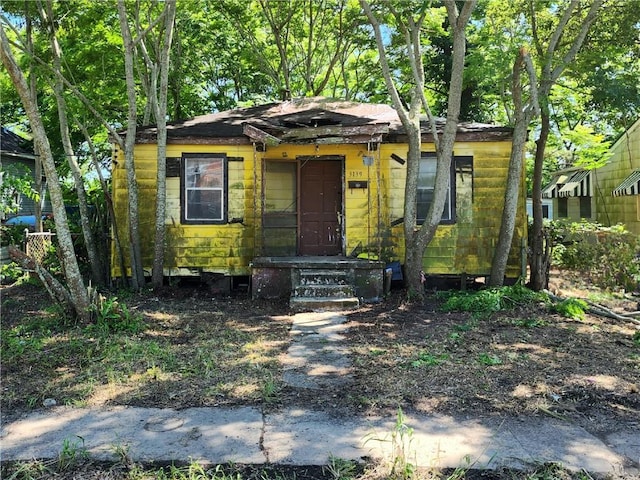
(187, 349)
(189, 353)
(335, 469)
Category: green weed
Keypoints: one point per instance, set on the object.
(571, 308)
(426, 359)
(400, 467)
(73, 451)
(11, 272)
(489, 360)
(529, 322)
(113, 317)
(636, 339)
(465, 327)
(31, 470)
(483, 303)
(341, 469)
(269, 389)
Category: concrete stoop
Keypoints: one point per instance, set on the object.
(323, 289)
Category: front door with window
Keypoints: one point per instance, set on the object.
(320, 207)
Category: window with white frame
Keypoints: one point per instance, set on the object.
(204, 192)
(426, 186)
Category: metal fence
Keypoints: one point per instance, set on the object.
(38, 244)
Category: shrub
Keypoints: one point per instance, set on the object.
(11, 235)
(10, 272)
(114, 317)
(483, 303)
(608, 256)
(571, 308)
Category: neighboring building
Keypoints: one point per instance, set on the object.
(571, 192)
(609, 194)
(618, 183)
(547, 208)
(267, 190)
(16, 157)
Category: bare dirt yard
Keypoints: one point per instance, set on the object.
(184, 347)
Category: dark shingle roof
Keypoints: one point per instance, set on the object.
(281, 118)
(14, 145)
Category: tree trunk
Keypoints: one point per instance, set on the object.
(77, 289)
(56, 290)
(540, 242)
(523, 115)
(416, 242)
(444, 145)
(108, 201)
(161, 179)
(413, 250)
(540, 250)
(135, 252)
(95, 260)
(511, 195)
(37, 164)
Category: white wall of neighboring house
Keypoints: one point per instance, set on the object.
(547, 208)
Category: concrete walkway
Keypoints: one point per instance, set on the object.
(317, 359)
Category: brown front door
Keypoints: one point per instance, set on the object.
(320, 207)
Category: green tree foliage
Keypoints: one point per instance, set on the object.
(227, 53)
(607, 256)
(15, 180)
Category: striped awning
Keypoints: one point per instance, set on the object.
(551, 189)
(629, 186)
(569, 184)
(579, 185)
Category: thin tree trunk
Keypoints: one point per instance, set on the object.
(444, 145)
(33, 87)
(416, 241)
(95, 260)
(539, 263)
(523, 115)
(77, 289)
(135, 253)
(109, 202)
(413, 249)
(56, 290)
(161, 179)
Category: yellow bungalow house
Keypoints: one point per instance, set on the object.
(287, 195)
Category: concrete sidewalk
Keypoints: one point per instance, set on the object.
(298, 437)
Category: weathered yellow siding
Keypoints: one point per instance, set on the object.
(225, 249)
(466, 246)
(625, 158)
(369, 213)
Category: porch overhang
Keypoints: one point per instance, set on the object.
(321, 135)
(331, 134)
(260, 136)
(629, 186)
